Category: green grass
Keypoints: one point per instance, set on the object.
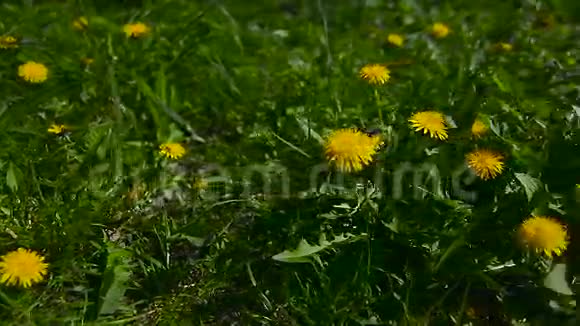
(252, 89)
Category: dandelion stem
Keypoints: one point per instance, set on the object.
(378, 102)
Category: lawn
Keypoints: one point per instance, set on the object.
(306, 162)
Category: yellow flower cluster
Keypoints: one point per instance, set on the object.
(23, 267)
(8, 42)
(379, 74)
(133, 30)
(437, 30)
(36, 73)
(350, 150)
(486, 163)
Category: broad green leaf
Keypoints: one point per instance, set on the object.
(12, 177)
(576, 110)
(153, 108)
(305, 251)
(556, 280)
(343, 205)
(531, 184)
(300, 254)
(393, 225)
(95, 136)
(115, 278)
(175, 134)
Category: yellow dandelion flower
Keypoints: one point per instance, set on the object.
(478, 128)
(172, 150)
(351, 149)
(485, 163)
(395, 39)
(471, 312)
(545, 20)
(136, 30)
(87, 61)
(431, 122)
(8, 42)
(375, 74)
(57, 129)
(200, 184)
(33, 72)
(81, 23)
(440, 30)
(502, 46)
(544, 234)
(22, 267)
